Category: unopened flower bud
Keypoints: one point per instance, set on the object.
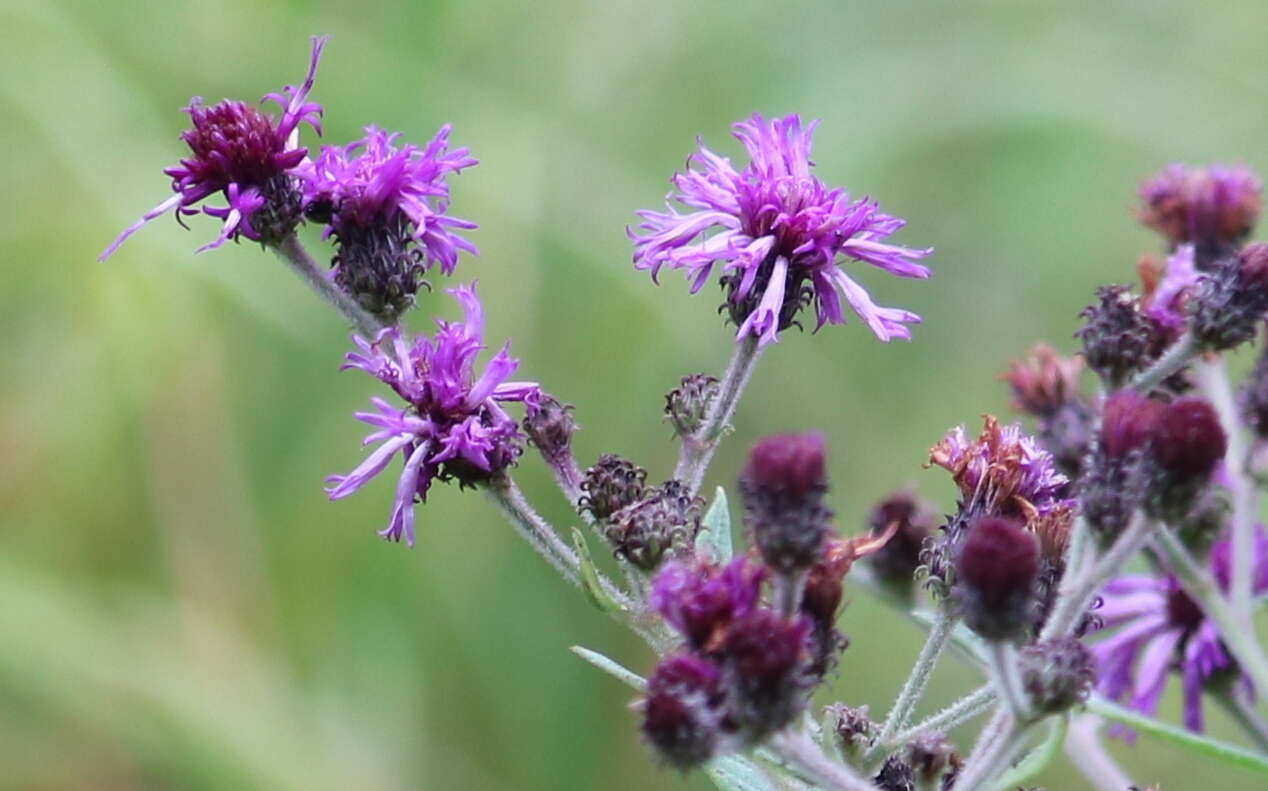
(1188, 442)
(1213, 208)
(1118, 339)
(896, 562)
(855, 732)
(667, 516)
(610, 485)
(683, 711)
(931, 757)
(995, 577)
(1043, 382)
(783, 488)
(764, 655)
(701, 600)
(1057, 674)
(550, 426)
(1230, 300)
(1113, 486)
(688, 403)
(895, 775)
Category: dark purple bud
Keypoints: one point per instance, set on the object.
(854, 729)
(931, 757)
(783, 488)
(995, 577)
(667, 517)
(688, 403)
(1188, 440)
(1118, 338)
(895, 775)
(1213, 208)
(1057, 674)
(549, 425)
(683, 710)
(1127, 421)
(764, 657)
(701, 600)
(1231, 299)
(610, 485)
(896, 562)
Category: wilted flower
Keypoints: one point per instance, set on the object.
(1160, 630)
(778, 231)
(1004, 470)
(453, 424)
(386, 207)
(248, 157)
(1213, 208)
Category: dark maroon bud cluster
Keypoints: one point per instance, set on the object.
(783, 488)
(688, 403)
(896, 775)
(610, 485)
(667, 517)
(895, 563)
(1230, 301)
(1113, 486)
(933, 760)
(996, 570)
(1187, 443)
(765, 663)
(683, 710)
(1057, 674)
(1118, 338)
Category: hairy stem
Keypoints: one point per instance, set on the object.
(916, 682)
(800, 751)
(1212, 377)
(1078, 589)
(292, 251)
(1002, 661)
(1084, 749)
(995, 748)
(697, 449)
(507, 495)
(1172, 360)
(963, 710)
(1206, 592)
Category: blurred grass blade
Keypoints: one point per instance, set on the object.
(611, 667)
(1228, 753)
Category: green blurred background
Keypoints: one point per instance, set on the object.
(180, 607)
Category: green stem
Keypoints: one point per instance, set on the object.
(916, 682)
(1036, 759)
(1172, 360)
(1002, 662)
(292, 251)
(1205, 591)
(697, 449)
(1231, 754)
(963, 710)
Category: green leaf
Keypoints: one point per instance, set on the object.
(1036, 759)
(715, 533)
(590, 577)
(737, 773)
(1228, 753)
(611, 667)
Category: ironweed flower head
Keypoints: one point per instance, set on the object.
(1167, 290)
(1044, 381)
(778, 233)
(1213, 208)
(912, 521)
(1231, 299)
(701, 600)
(1160, 629)
(996, 570)
(249, 158)
(683, 711)
(783, 487)
(610, 485)
(386, 206)
(1118, 338)
(452, 425)
(667, 518)
(687, 405)
(1003, 471)
(1057, 674)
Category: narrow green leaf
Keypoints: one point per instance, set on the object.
(1228, 753)
(590, 577)
(1036, 759)
(715, 531)
(611, 667)
(737, 773)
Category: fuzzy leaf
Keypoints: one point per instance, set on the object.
(590, 577)
(611, 667)
(715, 531)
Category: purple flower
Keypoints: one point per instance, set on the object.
(1213, 207)
(247, 156)
(1161, 629)
(385, 205)
(1005, 469)
(701, 600)
(778, 232)
(1165, 304)
(453, 424)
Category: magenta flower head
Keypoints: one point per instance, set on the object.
(778, 233)
(995, 575)
(386, 207)
(1160, 629)
(453, 425)
(701, 600)
(1213, 208)
(248, 157)
(684, 710)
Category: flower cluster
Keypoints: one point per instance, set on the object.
(452, 425)
(778, 232)
(248, 157)
(1212, 208)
